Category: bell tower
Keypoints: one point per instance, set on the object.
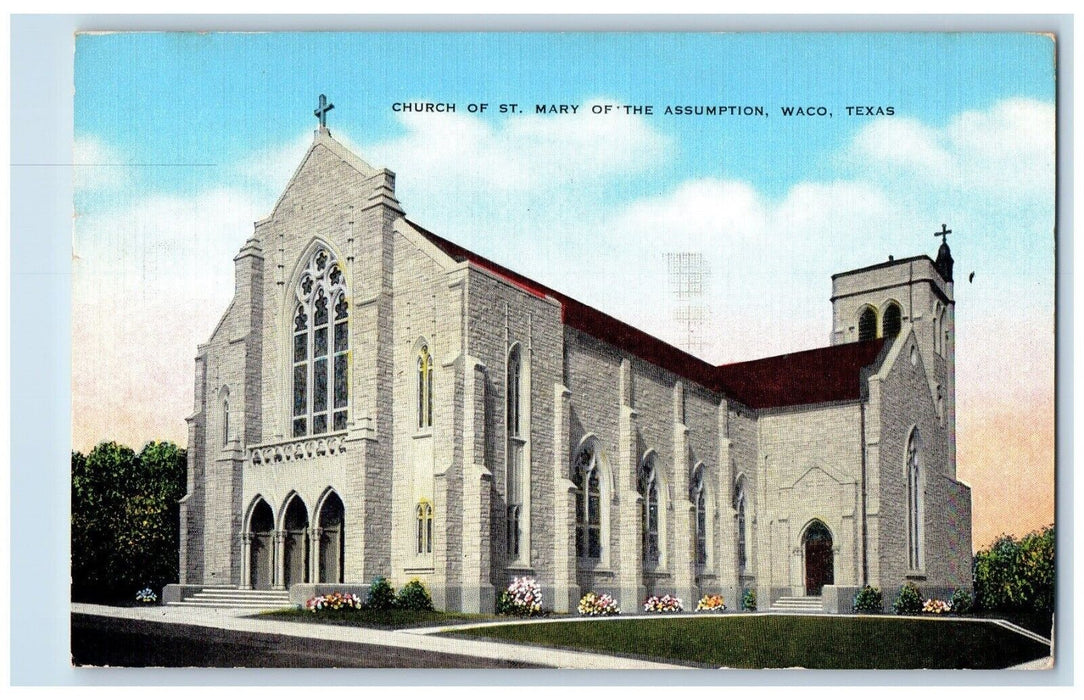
(887, 299)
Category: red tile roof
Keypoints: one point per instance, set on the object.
(812, 376)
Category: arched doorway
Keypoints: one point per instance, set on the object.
(295, 547)
(819, 567)
(330, 522)
(261, 525)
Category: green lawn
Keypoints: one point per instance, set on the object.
(777, 641)
(381, 619)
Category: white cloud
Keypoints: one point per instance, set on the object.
(98, 166)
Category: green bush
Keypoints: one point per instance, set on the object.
(962, 602)
(749, 599)
(869, 599)
(413, 596)
(381, 595)
(1016, 575)
(908, 601)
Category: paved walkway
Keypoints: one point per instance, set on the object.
(233, 619)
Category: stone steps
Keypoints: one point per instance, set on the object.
(225, 597)
(797, 604)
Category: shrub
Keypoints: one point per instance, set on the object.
(381, 594)
(936, 606)
(869, 599)
(711, 603)
(146, 596)
(908, 601)
(962, 602)
(1016, 575)
(522, 598)
(594, 604)
(334, 601)
(664, 604)
(414, 596)
(749, 599)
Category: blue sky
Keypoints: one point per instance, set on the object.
(183, 140)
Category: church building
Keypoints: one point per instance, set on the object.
(379, 401)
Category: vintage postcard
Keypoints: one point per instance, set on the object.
(573, 350)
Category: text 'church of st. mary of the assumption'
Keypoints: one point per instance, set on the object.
(379, 401)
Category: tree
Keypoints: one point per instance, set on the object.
(1016, 575)
(125, 529)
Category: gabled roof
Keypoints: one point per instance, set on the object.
(813, 376)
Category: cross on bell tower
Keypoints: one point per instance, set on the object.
(321, 111)
(944, 256)
(944, 232)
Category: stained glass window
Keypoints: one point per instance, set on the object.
(588, 505)
(649, 489)
(699, 499)
(321, 352)
(914, 502)
(425, 388)
(424, 511)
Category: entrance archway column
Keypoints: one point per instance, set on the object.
(314, 554)
(246, 560)
(280, 559)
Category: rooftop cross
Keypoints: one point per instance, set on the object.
(322, 111)
(944, 232)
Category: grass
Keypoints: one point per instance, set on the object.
(778, 641)
(380, 619)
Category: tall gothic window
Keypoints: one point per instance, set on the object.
(914, 501)
(321, 347)
(699, 499)
(587, 479)
(425, 388)
(891, 322)
(867, 324)
(424, 512)
(739, 506)
(225, 421)
(649, 489)
(514, 473)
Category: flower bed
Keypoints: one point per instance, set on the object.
(334, 601)
(936, 606)
(146, 596)
(711, 603)
(522, 598)
(592, 604)
(663, 604)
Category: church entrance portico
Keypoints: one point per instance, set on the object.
(818, 558)
(329, 540)
(261, 546)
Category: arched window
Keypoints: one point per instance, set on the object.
(937, 329)
(891, 321)
(914, 501)
(514, 473)
(649, 489)
(586, 476)
(944, 334)
(321, 311)
(867, 324)
(425, 388)
(739, 506)
(424, 511)
(698, 496)
(226, 419)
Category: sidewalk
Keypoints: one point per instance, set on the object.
(232, 619)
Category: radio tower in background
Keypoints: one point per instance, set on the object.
(688, 275)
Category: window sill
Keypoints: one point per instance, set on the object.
(523, 567)
(594, 568)
(426, 433)
(915, 575)
(419, 569)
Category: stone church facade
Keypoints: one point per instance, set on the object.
(378, 401)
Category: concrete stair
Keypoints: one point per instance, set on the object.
(797, 604)
(226, 597)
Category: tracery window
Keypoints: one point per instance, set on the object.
(424, 512)
(914, 501)
(739, 506)
(514, 473)
(698, 496)
(867, 324)
(586, 477)
(891, 322)
(321, 355)
(425, 388)
(649, 489)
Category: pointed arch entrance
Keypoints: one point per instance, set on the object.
(261, 525)
(295, 544)
(819, 564)
(330, 522)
